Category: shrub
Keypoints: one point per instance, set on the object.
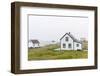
(79, 50)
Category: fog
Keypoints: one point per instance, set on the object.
(48, 28)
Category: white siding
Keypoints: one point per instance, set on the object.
(30, 44)
(79, 47)
(63, 41)
(70, 41)
(35, 45)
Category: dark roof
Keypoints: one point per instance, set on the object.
(74, 39)
(34, 41)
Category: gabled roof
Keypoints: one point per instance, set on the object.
(74, 39)
(34, 41)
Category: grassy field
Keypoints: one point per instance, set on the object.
(48, 53)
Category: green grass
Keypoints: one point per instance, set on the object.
(48, 53)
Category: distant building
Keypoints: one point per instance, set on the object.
(34, 44)
(69, 42)
(84, 43)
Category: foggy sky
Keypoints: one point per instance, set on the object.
(48, 28)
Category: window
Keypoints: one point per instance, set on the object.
(77, 45)
(69, 46)
(64, 45)
(66, 39)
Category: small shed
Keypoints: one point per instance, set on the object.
(34, 43)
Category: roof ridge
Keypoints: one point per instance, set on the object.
(75, 40)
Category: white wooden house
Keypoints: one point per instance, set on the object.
(33, 44)
(69, 42)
